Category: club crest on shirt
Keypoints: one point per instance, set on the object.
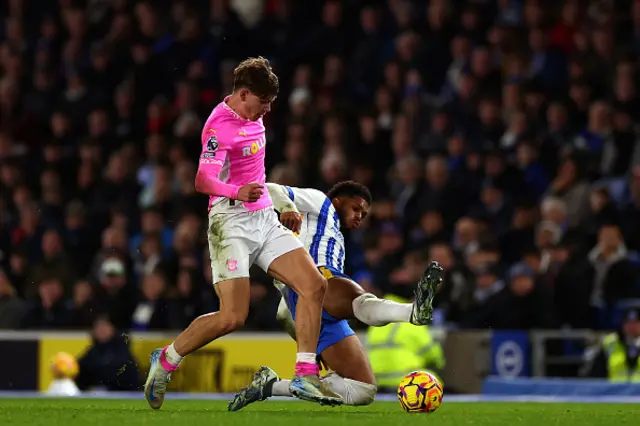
(232, 265)
(212, 144)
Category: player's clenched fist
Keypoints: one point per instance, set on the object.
(251, 192)
(292, 220)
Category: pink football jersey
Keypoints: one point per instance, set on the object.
(233, 150)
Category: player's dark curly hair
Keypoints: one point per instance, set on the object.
(350, 188)
(256, 75)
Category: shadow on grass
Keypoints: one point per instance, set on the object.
(263, 412)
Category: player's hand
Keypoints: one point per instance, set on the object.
(292, 220)
(251, 192)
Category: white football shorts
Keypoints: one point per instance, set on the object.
(239, 240)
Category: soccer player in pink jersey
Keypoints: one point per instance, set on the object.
(243, 230)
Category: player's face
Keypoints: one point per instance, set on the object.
(255, 106)
(632, 328)
(352, 211)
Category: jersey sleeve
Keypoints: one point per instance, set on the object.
(307, 200)
(214, 151)
(280, 197)
(215, 148)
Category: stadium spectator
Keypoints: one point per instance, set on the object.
(116, 296)
(476, 314)
(616, 356)
(108, 363)
(80, 238)
(83, 304)
(54, 262)
(151, 312)
(263, 296)
(190, 301)
(11, 307)
(49, 311)
(614, 276)
(572, 278)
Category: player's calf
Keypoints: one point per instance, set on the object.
(297, 270)
(347, 299)
(376, 312)
(234, 307)
(234, 295)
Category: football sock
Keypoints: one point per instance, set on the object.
(279, 388)
(171, 356)
(378, 312)
(353, 392)
(307, 357)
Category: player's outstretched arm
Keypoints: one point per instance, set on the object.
(289, 214)
(280, 198)
(306, 200)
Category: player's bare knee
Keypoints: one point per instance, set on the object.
(232, 324)
(232, 321)
(360, 299)
(313, 288)
(318, 288)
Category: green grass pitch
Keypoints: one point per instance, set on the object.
(66, 412)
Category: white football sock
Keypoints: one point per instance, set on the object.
(281, 388)
(307, 357)
(283, 315)
(172, 356)
(378, 312)
(351, 391)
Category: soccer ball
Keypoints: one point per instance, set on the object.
(64, 366)
(420, 392)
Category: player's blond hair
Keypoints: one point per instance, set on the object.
(256, 75)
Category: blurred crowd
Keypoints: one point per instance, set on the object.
(498, 137)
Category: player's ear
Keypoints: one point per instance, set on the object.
(244, 94)
(335, 202)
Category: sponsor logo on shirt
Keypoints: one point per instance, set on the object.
(254, 147)
(211, 161)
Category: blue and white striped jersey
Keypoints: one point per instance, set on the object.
(320, 231)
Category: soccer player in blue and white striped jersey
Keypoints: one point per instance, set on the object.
(317, 219)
